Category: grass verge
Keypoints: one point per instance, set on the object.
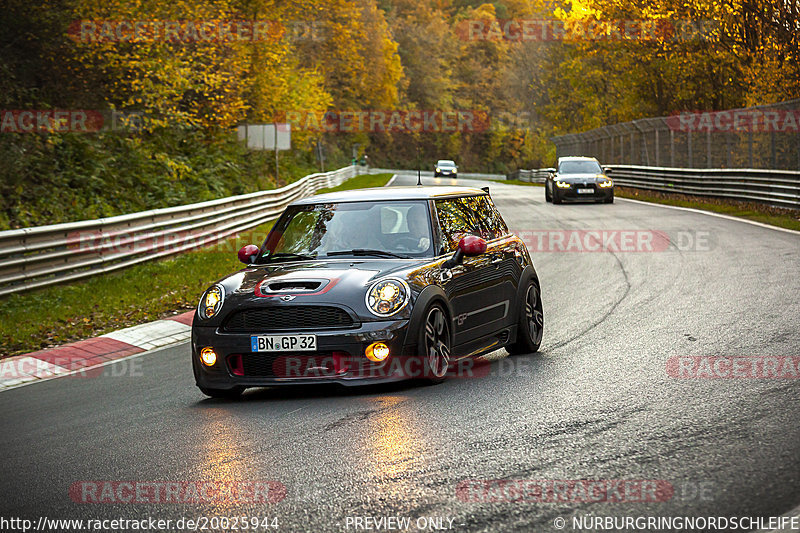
(65, 313)
(518, 182)
(774, 216)
(361, 182)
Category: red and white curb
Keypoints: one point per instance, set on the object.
(90, 353)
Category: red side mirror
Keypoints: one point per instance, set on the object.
(472, 245)
(247, 254)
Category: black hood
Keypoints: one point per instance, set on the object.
(340, 282)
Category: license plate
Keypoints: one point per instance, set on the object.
(283, 343)
(585, 191)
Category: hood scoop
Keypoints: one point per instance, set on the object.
(293, 285)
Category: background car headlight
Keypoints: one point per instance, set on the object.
(607, 183)
(562, 185)
(211, 302)
(388, 296)
(438, 169)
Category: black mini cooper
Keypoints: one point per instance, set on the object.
(369, 286)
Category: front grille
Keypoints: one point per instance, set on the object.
(289, 365)
(288, 318)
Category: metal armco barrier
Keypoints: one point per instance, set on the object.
(780, 188)
(46, 255)
(538, 175)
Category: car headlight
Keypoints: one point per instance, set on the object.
(562, 185)
(605, 184)
(387, 296)
(438, 169)
(211, 302)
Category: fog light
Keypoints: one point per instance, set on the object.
(208, 356)
(377, 352)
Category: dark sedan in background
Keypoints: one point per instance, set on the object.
(579, 179)
(369, 286)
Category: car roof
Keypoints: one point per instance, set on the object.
(390, 193)
(576, 158)
(446, 161)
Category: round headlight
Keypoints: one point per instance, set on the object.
(211, 302)
(388, 296)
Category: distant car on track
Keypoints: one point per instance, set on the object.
(579, 179)
(369, 286)
(446, 168)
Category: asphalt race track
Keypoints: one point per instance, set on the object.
(597, 402)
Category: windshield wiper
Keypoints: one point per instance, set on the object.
(367, 251)
(289, 256)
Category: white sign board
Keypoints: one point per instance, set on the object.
(262, 136)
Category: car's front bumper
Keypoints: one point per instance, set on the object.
(446, 174)
(339, 358)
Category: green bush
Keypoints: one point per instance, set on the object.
(53, 178)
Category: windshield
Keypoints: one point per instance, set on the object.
(579, 167)
(445, 163)
(396, 228)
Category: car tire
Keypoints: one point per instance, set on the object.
(556, 197)
(530, 326)
(547, 197)
(224, 394)
(434, 344)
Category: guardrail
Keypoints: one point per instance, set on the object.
(780, 188)
(46, 255)
(538, 175)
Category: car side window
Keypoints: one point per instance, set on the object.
(487, 223)
(456, 221)
(493, 223)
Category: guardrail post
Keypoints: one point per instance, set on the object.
(633, 149)
(772, 150)
(672, 148)
(728, 150)
(658, 150)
